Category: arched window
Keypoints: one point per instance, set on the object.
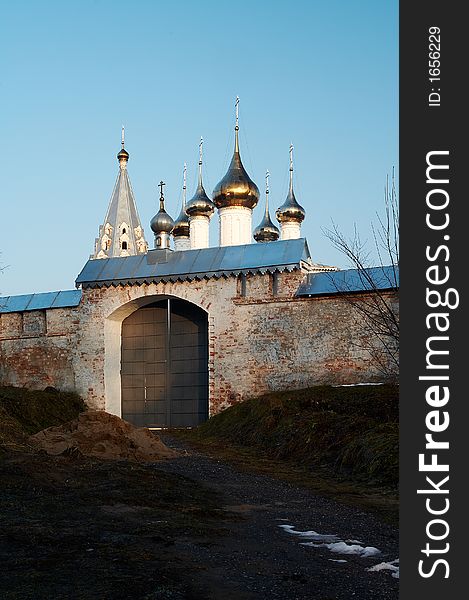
(124, 230)
(124, 245)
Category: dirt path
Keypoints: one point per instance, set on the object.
(190, 528)
(258, 559)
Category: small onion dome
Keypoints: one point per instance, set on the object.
(181, 225)
(161, 222)
(266, 231)
(200, 204)
(236, 188)
(123, 155)
(290, 210)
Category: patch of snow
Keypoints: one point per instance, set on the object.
(310, 535)
(350, 547)
(332, 542)
(356, 384)
(354, 542)
(339, 560)
(343, 548)
(387, 566)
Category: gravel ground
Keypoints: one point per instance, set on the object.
(189, 528)
(258, 559)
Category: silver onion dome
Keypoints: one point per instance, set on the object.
(162, 222)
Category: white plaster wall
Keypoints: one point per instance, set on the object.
(182, 243)
(235, 225)
(290, 231)
(199, 232)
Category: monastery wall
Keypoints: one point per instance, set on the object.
(261, 338)
(36, 348)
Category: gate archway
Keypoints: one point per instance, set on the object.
(164, 365)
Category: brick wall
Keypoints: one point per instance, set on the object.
(257, 341)
(36, 349)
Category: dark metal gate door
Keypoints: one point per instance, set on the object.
(164, 365)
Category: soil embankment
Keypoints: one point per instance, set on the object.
(350, 431)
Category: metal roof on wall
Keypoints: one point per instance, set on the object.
(43, 301)
(351, 280)
(186, 265)
(208, 262)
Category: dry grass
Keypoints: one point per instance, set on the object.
(352, 431)
(339, 442)
(25, 412)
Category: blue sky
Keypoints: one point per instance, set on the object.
(322, 74)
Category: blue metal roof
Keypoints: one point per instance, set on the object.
(63, 299)
(186, 265)
(351, 280)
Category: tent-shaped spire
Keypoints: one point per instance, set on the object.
(122, 232)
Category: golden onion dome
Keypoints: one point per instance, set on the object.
(181, 225)
(290, 209)
(123, 155)
(200, 204)
(236, 188)
(266, 231)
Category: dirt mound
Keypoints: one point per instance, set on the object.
(11, 435)
(102, 435)
(25, 412)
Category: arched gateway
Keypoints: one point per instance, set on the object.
(164, 365)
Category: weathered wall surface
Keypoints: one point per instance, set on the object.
(261, 338)
(36, 348)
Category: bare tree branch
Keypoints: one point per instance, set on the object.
(376, 304)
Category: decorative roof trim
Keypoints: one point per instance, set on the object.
(189, 277)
